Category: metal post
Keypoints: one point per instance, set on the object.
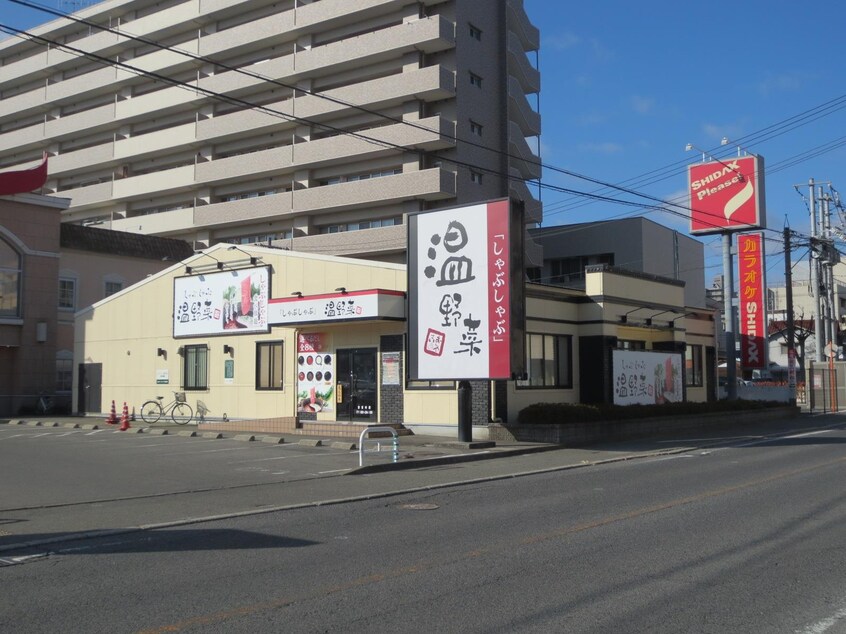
(819, 338)
(465, 411)
(791, 325)
(728, 318)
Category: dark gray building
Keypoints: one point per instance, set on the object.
(633, 244)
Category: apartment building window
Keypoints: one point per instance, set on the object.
(285, 234)
(64, 371)
(195, 367)
(630, 344)
(269, 362)
(67, 293)
(10, 280)
(475, 33)
(476, 177)
(364, 224)
(475, 80)
(475, 128)
(112, 287)
(549, 361)
(693, 366)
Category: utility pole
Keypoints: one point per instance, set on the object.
(791, 326)
(815, 278)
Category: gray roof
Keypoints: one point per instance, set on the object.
(123, 243)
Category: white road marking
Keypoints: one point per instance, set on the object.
(824, 625)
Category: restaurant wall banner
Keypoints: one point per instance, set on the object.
(225, 303)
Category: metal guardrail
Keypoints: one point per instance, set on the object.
(369, 430)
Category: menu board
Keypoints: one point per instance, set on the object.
(315, 374)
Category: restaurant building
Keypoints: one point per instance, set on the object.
(269, 339)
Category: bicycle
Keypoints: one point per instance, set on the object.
(180, 411)
(44, 405)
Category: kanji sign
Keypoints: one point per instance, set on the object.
(461, 292)
(753, 317)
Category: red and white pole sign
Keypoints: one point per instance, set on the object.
(727, 195)
(751, 300)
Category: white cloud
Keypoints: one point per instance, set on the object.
(785, 82)
(562, 42)
(606, 147)
(642, 105)
(717, 132)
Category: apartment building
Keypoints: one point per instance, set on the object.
(312, 125)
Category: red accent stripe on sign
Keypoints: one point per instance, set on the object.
(499, 290)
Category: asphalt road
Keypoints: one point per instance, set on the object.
(745, 535)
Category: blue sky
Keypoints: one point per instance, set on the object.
(626, 85)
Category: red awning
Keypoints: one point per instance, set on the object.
(24, 181)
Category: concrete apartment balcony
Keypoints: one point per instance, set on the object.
(156, 183)
(519, 23)
(519, 66)
(428, 35)
(160, 141)
(251, 36)
(432, 83)
(431, 184)
(522, 156)
(243, 211)
(533, 208)
(89, 196)
(159, 103)
(363, 243)
(333, 150)
(164, 223)
(54, 58)
(521, 111)
(81, 159)
(83, 86)
(32, 102)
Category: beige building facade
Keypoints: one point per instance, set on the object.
(270, 372)
(315, 125)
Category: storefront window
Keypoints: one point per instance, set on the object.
(195, 367)
(548, 361)
(10, 281)
(269, 365)
(693, 366)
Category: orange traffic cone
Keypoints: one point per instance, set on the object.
(112, 419)
(124, 419)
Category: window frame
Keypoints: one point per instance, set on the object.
(476, 177)
(475, 32)
(476, 128)
(197, 363)
(15, 276)
(73, 285)
(274, 357)
(693, 376)
(558, 342)
(475, 80)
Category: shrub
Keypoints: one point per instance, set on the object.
(556, 413)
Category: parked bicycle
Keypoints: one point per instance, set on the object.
(45, 405)
(180, 411)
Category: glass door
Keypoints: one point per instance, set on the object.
(357, 386)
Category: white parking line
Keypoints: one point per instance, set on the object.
(824, 625)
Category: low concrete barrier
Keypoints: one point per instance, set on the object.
(578, 433)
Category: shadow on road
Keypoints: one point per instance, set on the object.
(148, 541)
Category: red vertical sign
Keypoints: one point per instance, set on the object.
(499, 297)
(753, 318)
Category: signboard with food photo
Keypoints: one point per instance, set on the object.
(315, 374)
(231, 302)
